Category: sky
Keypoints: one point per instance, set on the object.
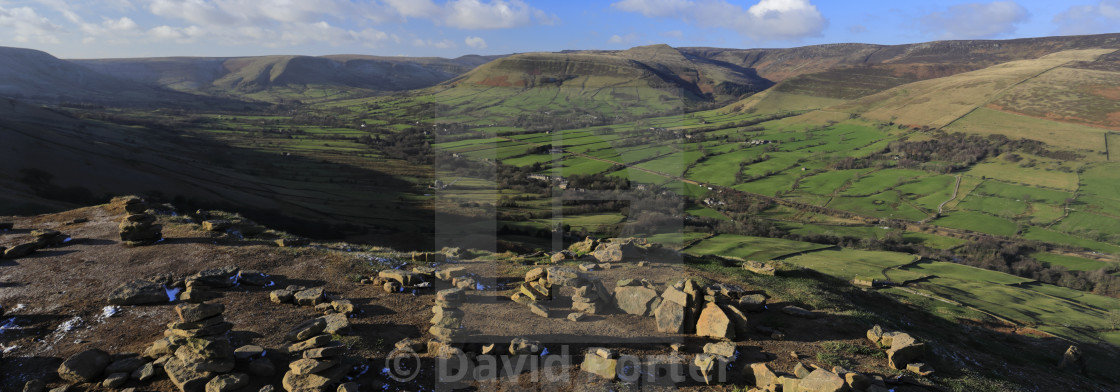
(452, 28)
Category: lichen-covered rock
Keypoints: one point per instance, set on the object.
(635, 300)
(714, 323)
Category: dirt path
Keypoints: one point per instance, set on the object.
(956, 189)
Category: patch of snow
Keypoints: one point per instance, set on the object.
(110, 311)
(8, 349)
(270, 284)
(172, 293)
(19, 307)
(544, 351)
(8, 325)
(68, 239)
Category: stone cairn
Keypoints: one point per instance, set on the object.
(195, 350)
(902, 350)
(139, 228)
(447, 322)
(540, 285)
(317, 360)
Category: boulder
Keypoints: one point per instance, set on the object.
(904, 349)
(309, 365)
(752, 303)
(306, 330)
(599, 365)
(759, 267)
(392, 286)
(293, 382)
(282, 296)
(589, 307)
(821, 380)
(564, 276)
(227, 383)
(576, 316)
(145, 373)
(536, 274)
(452, 297)
(343, 306)
(85, 366)
(584, 247)
(560, 256)
(465, 282)
(875, 334)
(608, 253)
(216, 225)
(857, 382)
(254, 278)
(670, 317)
(189, 313)
(405, 278)
(310, 297)
(538, 309)
(216, 277)
(125, 365)
(247, 352)
(724, 348)
(325, 352)
(522, 346)
(738, 318)
(763, 376)
(138, 292)
(635, 300)
(448, 318)
(450, 273)
(115, 380)
(21, 250)
(1072, 359)
(710, 365)
(186, 376)
(714, 323)
(919, 368)
(588, 267)
(675, 295)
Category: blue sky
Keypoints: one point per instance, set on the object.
(450, 28)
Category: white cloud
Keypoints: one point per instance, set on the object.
(766, 20)
(475, 42)
(473, 14)
(423, 43)
(975, 20)
(623, 39)
(23, 25)
(1102, 17)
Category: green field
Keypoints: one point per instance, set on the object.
(850, 263)
(1072, 263)
(975, 221)
(750, 248)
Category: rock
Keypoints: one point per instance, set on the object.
(1072, 359)
(564, 276)
(445, 334)
(752, 303)
(887, 338)
(857, 382)
(451, 273)
(598, 365)
(875, 334)
(267, 388)
(587, 267)
(635, 300)
(713, 322)
(248, 352)
(904, 349)
(726, 349)
(584, 247)
(453, 297)
(800, 371)
(575, 316)
(821, 380)
(530, 291)
(522, 346)
(293, 382)
(306, 330)
(291, 242)
(676, 296)
(310, 297)
(21, 250)
(187, 377)
(138, 292)
(626, 282)
(797, 311)
(227, 383)
(608, 253)
(670, 317)
(405, 278)
(538, 309)
(535, 274)
(64, 388)
(254, 278)
(409, 344)
(391, 287)
(919, 368)
(710, 365)
(34, 386)
(739, 319)
(133, 204)
(325, 352)
(190, 313)
(262, 367)
(588, 307)
(216, 277)
(125, 365)
(763, 376)
(336, 323)
(281, 296)
(309, 365)
(759, 268)
(448, 318)
(145, 372)
(465, 282)
(348, 387)
(216, 225)
(115, 380)
(560, 256)
(85, 366)
(197, 295)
